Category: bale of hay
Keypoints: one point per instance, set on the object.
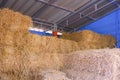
(21, 62)
(51, 44)
(102, 64)
(13, 20)
(85, 35)
(66, 36)
(22, 52)
(90, 40)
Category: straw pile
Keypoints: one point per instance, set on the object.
(90, 40)
(103, 64)
(21, 53)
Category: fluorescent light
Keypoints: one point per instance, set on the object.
(50, 32)
(36, 29)
(41, 30)
(59, 33)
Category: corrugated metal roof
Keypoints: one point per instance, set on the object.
(67, 14)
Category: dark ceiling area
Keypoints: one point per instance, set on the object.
(68, 15)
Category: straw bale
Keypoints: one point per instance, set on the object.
(42, 44)
(85, 35)
(102, 64)
(90, 40)
(22, 63)
(8, 38)
(66, 36)
(50, 44)
(29, 52)
(22, 52)
(44, 61)
(13, 20)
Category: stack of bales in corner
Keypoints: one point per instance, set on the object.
(90, 40)
(22, 52)
(13, 28)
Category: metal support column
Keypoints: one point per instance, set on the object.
(55, 27)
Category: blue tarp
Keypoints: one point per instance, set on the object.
(109, 24)
(40, 33)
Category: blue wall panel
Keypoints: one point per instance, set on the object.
(109, 24)
(40, 33)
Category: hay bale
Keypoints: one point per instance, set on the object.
(23, 52)
(66, 36)
(13, 20)
(21, 63)
(50, 44)
(90, 40)
(85, 35)
(100, 64)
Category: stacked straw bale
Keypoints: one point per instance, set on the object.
(90, 40)
(102, 64)
(14, 20)
(21, 53)
(12, 60)
(51, 44)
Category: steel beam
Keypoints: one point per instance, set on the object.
(45, 6)
(49, 26)
(115, 3)
(41, 20)
(56, 6)
(93, 11)
(91, 18)
(91, 2)
(101, 7)
(42, 23)
(107, 13)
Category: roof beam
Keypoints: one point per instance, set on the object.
(113, 1)
(94, 11)
(87, 15)
(45, 6)
(55, 5)
(43, 23)
(41, 20)
(91, 2)
(49, 24)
